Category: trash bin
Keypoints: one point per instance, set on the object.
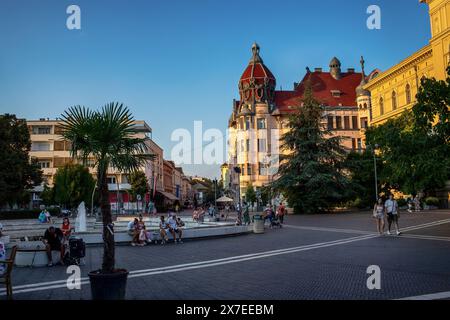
(258, 223)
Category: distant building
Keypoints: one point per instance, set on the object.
(388, 94)
(260, 117)
(53, 152)
(394, 90)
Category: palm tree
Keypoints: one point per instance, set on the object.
(107, 136)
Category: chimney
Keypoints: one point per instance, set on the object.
(317, 69)
(351, 70)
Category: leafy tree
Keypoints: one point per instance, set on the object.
(250, 194)
(18, 173)
(73, 183)
(311, 175)
(138, 182)
(415, 147)
(432, 112)
(47, 195)
(108, 136)
(362, 174)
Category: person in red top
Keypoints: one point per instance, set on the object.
(66, 228)
(280, 213)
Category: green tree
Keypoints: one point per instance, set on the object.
(311, 175)
(415, 146)
(73, 183)
(47, 195)
(18, 174)
(362, 174)
(138, 182)
(250, 194)
(108, 136)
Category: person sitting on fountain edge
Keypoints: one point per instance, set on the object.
(53, 242)
(174, 227)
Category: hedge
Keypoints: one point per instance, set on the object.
(26, 214)
(432, 201)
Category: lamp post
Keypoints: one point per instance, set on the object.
(375, 170)
(269, 176)
(238, 171)
(215, 193)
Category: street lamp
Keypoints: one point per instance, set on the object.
(215, 193)
(376, 146)
(267, 159)
(238, 171)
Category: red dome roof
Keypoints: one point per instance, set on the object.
(257, 82)
(256, 68)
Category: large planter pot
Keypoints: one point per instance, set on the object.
(258, 224)
(108, 286)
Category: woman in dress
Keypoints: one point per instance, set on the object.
(378, 214)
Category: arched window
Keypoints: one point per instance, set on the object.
(381, 106)
(394, 100)
(408, 93)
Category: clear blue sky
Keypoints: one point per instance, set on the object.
(173, 62)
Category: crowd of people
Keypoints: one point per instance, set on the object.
(275, 217)
(173, 226)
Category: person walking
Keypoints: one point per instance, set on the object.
(246, 215)
(378, 214)
(391, 208)
(409, 202)
(280, 212)
(417, 203)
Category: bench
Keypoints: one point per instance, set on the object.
(34, 254)
(5, 277)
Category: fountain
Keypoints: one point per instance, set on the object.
(80, 223)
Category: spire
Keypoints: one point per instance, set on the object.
(362, 68)
(255, 54)
(360, 91)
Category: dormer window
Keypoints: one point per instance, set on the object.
(336, 93)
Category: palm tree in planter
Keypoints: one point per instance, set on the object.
(108, 137)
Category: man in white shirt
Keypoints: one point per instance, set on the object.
(391, 207)
(173, 226)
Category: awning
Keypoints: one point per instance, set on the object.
(168, 195)
(122, 186)
(224, 199)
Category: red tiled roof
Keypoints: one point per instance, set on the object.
(260, 71)
(322, 83)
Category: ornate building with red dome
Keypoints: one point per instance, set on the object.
(260, 116)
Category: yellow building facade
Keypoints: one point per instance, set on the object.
(393, 91)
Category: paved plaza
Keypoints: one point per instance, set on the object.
(312, 257)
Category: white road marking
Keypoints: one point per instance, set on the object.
(425, 237)
(432, 296)
(329, 229)
(189, 266)
(209, 263)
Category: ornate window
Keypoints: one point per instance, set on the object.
(394, 100)
(259, 93)
(381, 106)
(408, 93)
